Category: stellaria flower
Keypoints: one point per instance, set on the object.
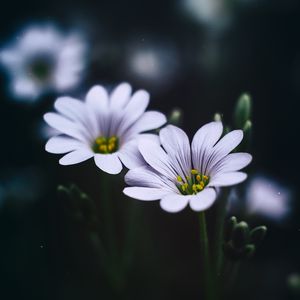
(267, 197)
(152, 63)
(178, 174)
(106, 127)
(43, 59)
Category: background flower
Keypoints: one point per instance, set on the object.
(43, 59)
(105, 127)
(179, 174)
(267, 197)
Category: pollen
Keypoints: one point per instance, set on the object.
(106, 145)
(193, 183)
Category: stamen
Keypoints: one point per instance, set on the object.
(192, 184)
(106, 145)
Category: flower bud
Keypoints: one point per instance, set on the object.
(217, 117)
(293, 282)
(242, 110)
(240, 234)
(258, 234)
(229, 228)
(248, 251)
(175, 117)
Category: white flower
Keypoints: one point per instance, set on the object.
(105, 127)
(215, 14)
(178, 173)
(43, 59)
(153, 63)
(266, 197)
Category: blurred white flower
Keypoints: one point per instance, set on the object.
(43, 59)
(215, 14)
(179, 174)
(267, 197)
(105, 127)
(152, 64)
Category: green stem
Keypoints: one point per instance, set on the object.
(108, 220)
(204, 244)
(131, 235)
(219, 232)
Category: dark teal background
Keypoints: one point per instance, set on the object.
(44, 256)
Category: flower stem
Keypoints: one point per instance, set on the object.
(204, 244)
(108, 222)
(219, 232)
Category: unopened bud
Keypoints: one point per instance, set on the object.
(258, 234)
(293, 282)
(248, 251)
(240, 234)
(229, 228)
(175, 116)
(242, 110)
(217, 117)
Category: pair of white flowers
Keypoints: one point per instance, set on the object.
(166, 167)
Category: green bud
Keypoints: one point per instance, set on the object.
(247, 126)
(293, 282)
(257, 235)
(217, 117)
(240, 235)
(229, 228)
(248, 251)
(175, 117)
(242, 110)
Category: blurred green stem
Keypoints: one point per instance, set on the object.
(108, 218)
(205, 257)
(219, 232)
(130, 235)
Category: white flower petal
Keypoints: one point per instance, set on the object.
(120, 96)
(173, 203)
(227, 179)
(10, 57)
(25, 87)
(150, 137)
(224, 147)
(130, 155)
(231, 162)
(108, 163)
(157, 158)
(145, 193)
(97, 98)
(177, 145)
(144, 176)
(148, 121)
(98, 106)
(76, 157)
(65, 79)
(60, 144)
(65, 126)
(203, 141)
(77, 111)
(203, 200)
(134, 110)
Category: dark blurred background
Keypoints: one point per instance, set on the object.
(198, 63)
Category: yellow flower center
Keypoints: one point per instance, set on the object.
(193, 184)
(106, 145)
